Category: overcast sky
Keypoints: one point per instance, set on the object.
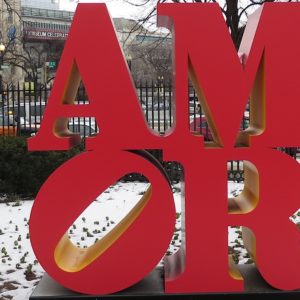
(117, 8)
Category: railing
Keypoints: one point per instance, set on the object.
(22, 107)
(47, 13)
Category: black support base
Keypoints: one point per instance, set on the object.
(151, 287)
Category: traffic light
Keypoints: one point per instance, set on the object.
(40, 75)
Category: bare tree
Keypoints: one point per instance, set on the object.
(235, 12)
(29, 59)
(151, 60)
(19, 53)
(156, 56)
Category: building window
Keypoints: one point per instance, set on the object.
(10, 17)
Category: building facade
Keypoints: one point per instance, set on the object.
(44, 35)
(34, 33)
(45, 4)
(10, 37)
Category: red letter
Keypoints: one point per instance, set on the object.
(124, 256)
(93, 54)
(203, 46)
(224, 86)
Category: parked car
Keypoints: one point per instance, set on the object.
(156, 106)
(194, 108)
(193, 98)
(84, 127)
(7, 126)
(25, 128)
(32, 112)
(27, 115)
(199, 126)
(194, 105)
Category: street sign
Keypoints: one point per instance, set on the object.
(52, 64)
(11, 33)
(5, 67)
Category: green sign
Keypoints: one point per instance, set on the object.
(52, 64)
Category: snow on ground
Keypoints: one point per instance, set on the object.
(19, 269)
(16, 254)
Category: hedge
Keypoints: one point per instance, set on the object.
(21, 172)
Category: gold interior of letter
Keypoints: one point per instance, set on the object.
(249, 198)
(242, 204)
(257, 115)
(68, 97)
(216, 142)
(73, 259)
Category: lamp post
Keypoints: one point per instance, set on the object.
(128, 60)
(2, 50)
(160, 80)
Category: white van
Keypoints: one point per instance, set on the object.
(28, 115)
(32, 112)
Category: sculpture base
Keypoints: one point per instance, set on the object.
(152, 287)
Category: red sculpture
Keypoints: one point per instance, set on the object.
(204, 51)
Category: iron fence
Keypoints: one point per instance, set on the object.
(22, 108)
